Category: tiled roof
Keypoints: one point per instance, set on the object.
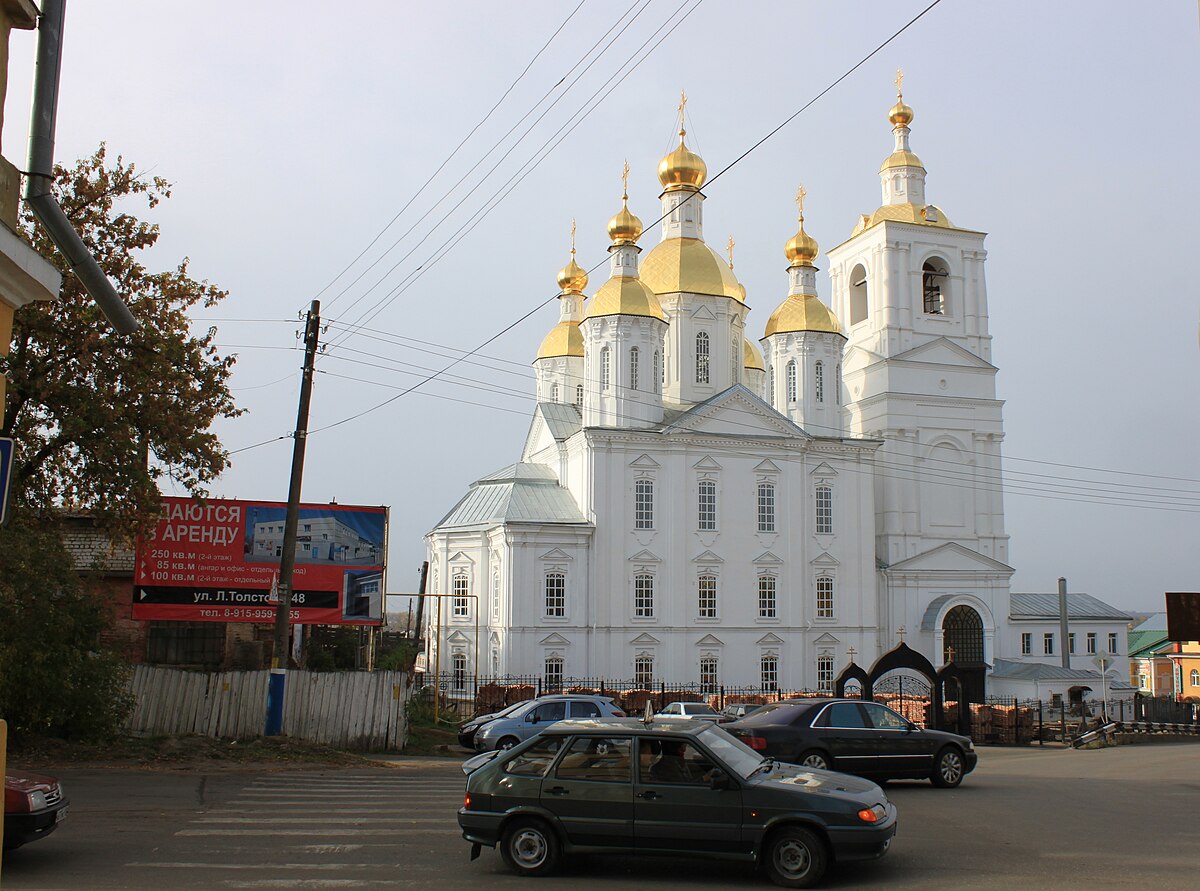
(1079, 606)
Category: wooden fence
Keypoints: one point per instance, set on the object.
(351, 710)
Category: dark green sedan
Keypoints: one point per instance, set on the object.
(623, 785)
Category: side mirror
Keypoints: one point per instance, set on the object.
(718, 779)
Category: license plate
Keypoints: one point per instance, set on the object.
(61, 815)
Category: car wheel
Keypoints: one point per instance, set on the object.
(506, 743)
(948, 769)
(529, 847)
(813, 758)
(795, 858)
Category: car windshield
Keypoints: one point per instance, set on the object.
(738, 757)
(504, 712)
(775, 713)
(697, 708)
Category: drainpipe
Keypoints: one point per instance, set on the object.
(1062, 622)
(40, 174)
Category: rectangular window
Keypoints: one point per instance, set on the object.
(462, 604)
(554, 673)
(702, 358)
(1112, 642)
(706, 587)
(460, 671)
(495, 596)
(643, 596)
(1071, 642)
(819, 381)
(708, 674)
(643, 671)
(707, 505)
(825, 674)
(633, 368)
(766, 507)
(766, 597)
(605, 370)
(643, 504)
(769, 667)
(1048, 644)
(824, 598)
(1027, 644)
(824, 510)
(556, 595)
(1091, 643)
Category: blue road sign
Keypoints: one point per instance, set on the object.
(6, 459)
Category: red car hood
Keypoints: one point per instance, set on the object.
(17, 783)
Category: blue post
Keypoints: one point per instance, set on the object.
(275, 702)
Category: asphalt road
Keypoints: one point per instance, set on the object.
(1029, 818)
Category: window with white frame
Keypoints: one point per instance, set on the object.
(766, 507)
(766, 597)
(825, 673)
(1048, 644)
(605, 368)
(734, 364)
(1027, 643)
(658, 372)
(495, 596)
(1091, 643)
(769, 671)
(1071, 642)
(553, 673)
(706, 596)
(643, 504)
(707, 504)
(837, 385)
(1194, 678)
(702, 356)
(556, 595)
(824, 597)
(771, 384)
(459, 666)
(819, 382)
(708, 674)
(634, 353)
(461, 602)
(1112, 641)
(554, 392)
(643, 596)
(824, 500)
(579, 395)
(791, 381)
(643, 670)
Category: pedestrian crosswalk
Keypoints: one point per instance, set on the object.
(327, 829)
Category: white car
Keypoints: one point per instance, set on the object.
(688, 711)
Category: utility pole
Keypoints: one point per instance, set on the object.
(1062, 622)
(287, 560)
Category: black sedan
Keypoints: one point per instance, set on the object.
(863, 738)
(684, 788)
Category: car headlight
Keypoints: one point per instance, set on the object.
(37, 801)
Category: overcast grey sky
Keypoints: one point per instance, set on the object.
(294, 132)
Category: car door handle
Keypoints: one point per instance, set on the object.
(649, 796)
(558, 790)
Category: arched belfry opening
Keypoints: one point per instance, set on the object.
(858, 294)
(934, 276)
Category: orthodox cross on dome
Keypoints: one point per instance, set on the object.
(729, 248)
(901, 631)
(572, 237)
(800, 193)
(625, 181)
(682, 106)
(899, 83)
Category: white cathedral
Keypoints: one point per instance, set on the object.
(691, 507)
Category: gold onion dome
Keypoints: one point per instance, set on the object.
(751, 357)
(900, 114)
(688, 265)
(625, 227)
(572, 278)
(802, 312)
(802, 249)
(682, 169)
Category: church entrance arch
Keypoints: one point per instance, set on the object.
(905, 681)
(962, 646)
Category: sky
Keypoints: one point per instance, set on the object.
(306, 144)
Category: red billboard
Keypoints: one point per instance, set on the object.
(216, 561)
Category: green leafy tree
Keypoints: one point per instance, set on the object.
(100, 420)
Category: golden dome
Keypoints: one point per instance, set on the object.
(921, 214)
(564, 339)
(624, 295)
(624, 228)
(690, 265)
(572, 278)
(682, 169)
(901, 158)
(802, 313)
(900, 114)
(803, 248)
(751, 357)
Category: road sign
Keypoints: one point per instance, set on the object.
(1103, 663)
(6, 460)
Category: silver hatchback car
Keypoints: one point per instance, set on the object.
(535, 716)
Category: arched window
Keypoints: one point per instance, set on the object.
(769, 669)
(858, 294)
(553, 674)
(633, 368)
(707, 505)
(554, 392)
(962, 631)
(819, 381)
(706, 596)
(766, 507)
(1194, 677)
(556, 595)
(461, 601)
(579, 395)
(658, 372)
(643, 670)
(643, 596)
(604, 368)
(824, 597)
(702, 376)
(791, 381)
(933, 286)
(643, 504)
(824, 503)
(459, 666)
(708, 674)
(766, 597)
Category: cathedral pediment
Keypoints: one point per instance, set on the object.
(554, 640)
(826, 640)
(645, 639)
(766, 558)
(645, 557)
(461, 557)
(824, 559)
(707, 557)
(735, 412)
(710, 640)
(942, 351)
(770, 639)
(823, 469)
(643, 461)
(950, 557)
(457, 637)
(556, 555)
(767, 466)
(706, 463)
